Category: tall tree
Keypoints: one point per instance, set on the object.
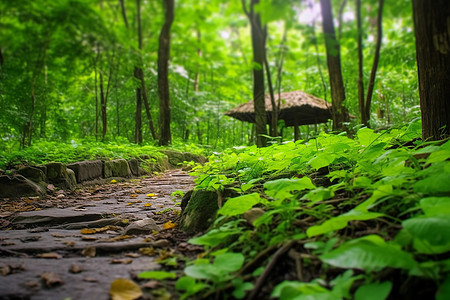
(432, 30)
(365, 103)
(163, 74)
(258, 46)
(339, 112)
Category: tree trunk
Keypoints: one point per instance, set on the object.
(376, 59)
(103, 107)
(196, 86)
(361, 101)
(273, 126)
(163, 74)
(258, 73)
(334, 67)
(138, 118)
(139, 74)
(432, 30)
(124, 14)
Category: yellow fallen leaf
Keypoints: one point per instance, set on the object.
(130, 203)
(113, 181)
(169, 225)
(134, 195)
(151, 195)
(138, 192)
(124, 289)
(87, 231)
(147, 204)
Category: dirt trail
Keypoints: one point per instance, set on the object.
(72, 246)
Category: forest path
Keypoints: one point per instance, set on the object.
(73, 246)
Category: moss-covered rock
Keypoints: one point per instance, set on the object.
(34, 174)
(116, 168)
(199, 212)
(58, 175)
(19, 186)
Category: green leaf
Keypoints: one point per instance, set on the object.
(433, 206)
(319, 194)
(283, 188)
(294, 290)
(366, 136)
(373, 291)
(239, 205)
(241, 287)
(158, 275)
(434, 183)
(203, 271)
(214, 237)
(321, 160)
(381, 191)
(229, 262)
(431, 234)
(370, 253)
(340, 222)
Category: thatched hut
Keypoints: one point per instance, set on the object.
(296, 108)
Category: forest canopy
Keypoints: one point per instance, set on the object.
(72, 69)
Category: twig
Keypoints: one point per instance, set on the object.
(270, 266)
(254, 261)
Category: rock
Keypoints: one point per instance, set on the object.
(194, 157)
(175, 158)
(58, 175)
(116, 168)
(55, 216)
(19, 186)
(141, 227)
(34, 174)
(135, 168)
(162, 243)
(200, 211)
(87, 170)
(252, 214)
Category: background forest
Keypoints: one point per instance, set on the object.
(71, 69)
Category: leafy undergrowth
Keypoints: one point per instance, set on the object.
(42, 152)
(362, 218)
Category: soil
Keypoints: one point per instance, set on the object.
(74, 245)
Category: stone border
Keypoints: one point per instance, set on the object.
(36, 180)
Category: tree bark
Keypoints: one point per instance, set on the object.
(361, 100)
(334, 67)
(196, 86)
(258, 72)
(376, 59)
(124, 14)
(103, 108)
(138, 118)
(163, 74)
(432, 31)
(274, 120)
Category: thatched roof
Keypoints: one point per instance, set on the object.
(296, 108)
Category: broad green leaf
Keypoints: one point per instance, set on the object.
(204, 271)
(435, 206)
(373, 291)
(340, 222)
(381, 191)
(214, 237)
(430, 231)
(230, 262)
(240, 287)
(189, 285)
(319, 194)
(158, 275)
(322, 160)
(370, 253)
(283, 188)
(366, 136)
(295, 290)
(239, 205)
(434, 183)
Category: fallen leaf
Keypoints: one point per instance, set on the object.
(169, 225)
(125, 261)
(134, 195)
(90, 279)
(150, 251)
(89, 238)
(124, 289)
(113, 181)
(117, 238)
(151, 195)
(161, 243)
(87, 231)
(89, 251)
(58, 235)
(138, 192)
(51, 279)
(152, 284)
(50, 255)
(75, 269)
(147, 204)
(32, 284)
(5, 270)
(132, 254)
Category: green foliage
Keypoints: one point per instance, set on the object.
(369, 182)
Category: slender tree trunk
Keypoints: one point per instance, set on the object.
(124, 14)
(361, 100)
(96, 94)
(163, 74)
(103, 108)
(376, 59)
(138, 118)
(432, 30)
(340, 15)
(196, 86)
(258, 72)
(316, 46)
(280, 63)
(273, 126)
(334, 67)
(139, 74)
